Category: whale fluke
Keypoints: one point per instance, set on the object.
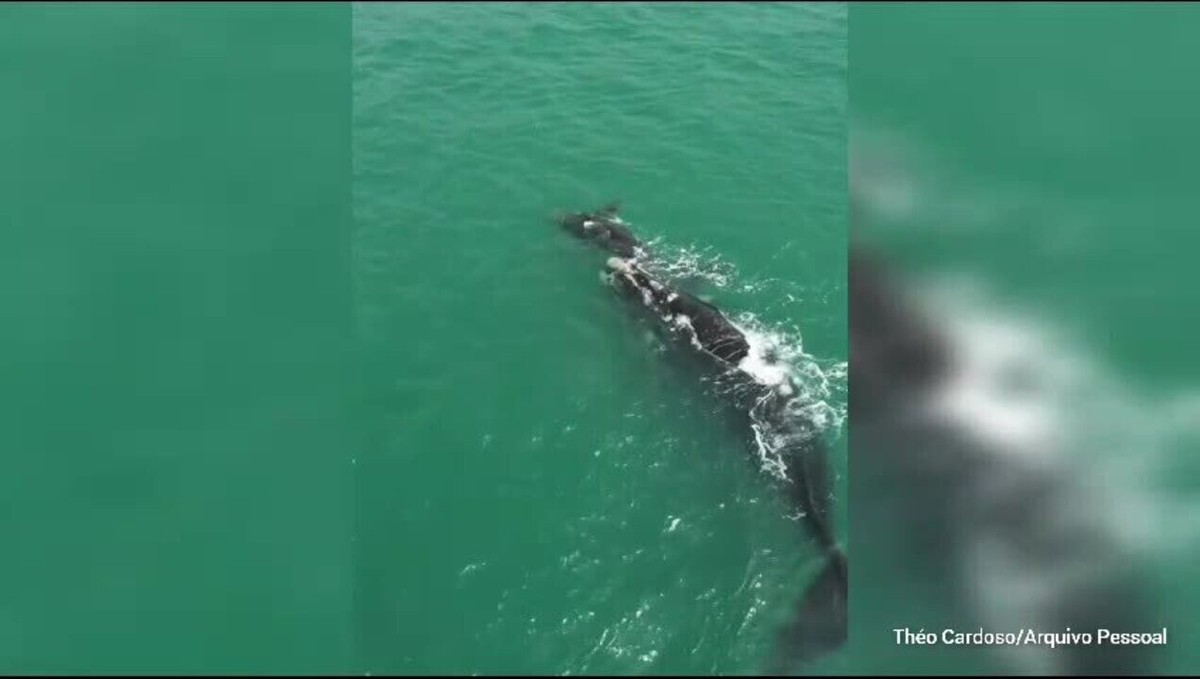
(819, 624)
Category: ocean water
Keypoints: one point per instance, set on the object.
(543, 491)
(1033, 164)
(526, 483)
(176, 486)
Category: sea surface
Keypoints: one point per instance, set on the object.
(1034, 166)
(526, 482)
(176, 478)
(543, 490)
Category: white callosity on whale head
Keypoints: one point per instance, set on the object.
(625, 268)
(618, 264)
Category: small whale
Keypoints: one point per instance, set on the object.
(604, 228)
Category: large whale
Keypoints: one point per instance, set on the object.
(764, 394)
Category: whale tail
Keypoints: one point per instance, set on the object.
(819, 625)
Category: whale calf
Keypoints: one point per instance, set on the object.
(606, 229)
(764, 396)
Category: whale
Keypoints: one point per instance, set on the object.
(990, 535)
(604, 228)
(765, 397)
(708, 330)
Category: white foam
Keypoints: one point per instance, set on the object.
(980, 391)
(768, 452)
(1069, 411)
(1042, 400)
(685, 324)
(758, 365)
(690, 262)
(813, 391)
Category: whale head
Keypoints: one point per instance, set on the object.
(602, 228)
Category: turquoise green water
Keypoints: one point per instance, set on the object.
(1067, 163)
(176, 489)
(526, 484)
(1046, 151)
(542, 492)
(189, 482)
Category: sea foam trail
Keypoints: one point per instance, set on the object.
(806, 395)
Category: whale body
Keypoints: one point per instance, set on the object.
(765, 399)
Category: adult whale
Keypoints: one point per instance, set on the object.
(765, 395)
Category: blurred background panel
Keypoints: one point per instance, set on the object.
(1023, 310)
(176, 462)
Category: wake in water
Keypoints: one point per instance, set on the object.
(756, 369)
(786, 392)
(682, 264)
(791, 396)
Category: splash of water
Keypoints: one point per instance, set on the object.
(691, 263)
(806, 394)
(1030, 387)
